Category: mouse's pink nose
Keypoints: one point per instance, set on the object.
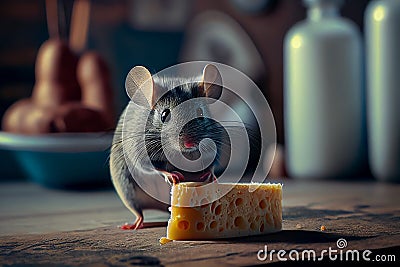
(187, 143)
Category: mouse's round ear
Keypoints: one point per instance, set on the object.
(212, 82)
(139, 85)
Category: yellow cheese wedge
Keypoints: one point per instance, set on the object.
(239, 212)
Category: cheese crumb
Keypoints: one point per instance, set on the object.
(164, 240)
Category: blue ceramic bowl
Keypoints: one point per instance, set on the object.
(73, 160)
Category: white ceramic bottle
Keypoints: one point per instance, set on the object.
(382, 30)
(323, 94)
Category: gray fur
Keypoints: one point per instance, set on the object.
(138, 142)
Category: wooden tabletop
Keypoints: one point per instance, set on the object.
(61, 228)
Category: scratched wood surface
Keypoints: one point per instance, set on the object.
(365, 214)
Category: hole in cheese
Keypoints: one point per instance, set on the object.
(262, 204)
(183, 225)
(240, 222)
(238, 201)
(218, 210)
(200, 226)
(213, 224)
(213, 206)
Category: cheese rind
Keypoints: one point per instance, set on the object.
(239, 212)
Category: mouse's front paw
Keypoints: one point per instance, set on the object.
(208, 177)
(173, 177)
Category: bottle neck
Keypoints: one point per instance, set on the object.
(317, 13)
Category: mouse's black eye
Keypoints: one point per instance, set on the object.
(165, 115)
(200, 112)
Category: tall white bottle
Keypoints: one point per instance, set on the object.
(382, 21)
(323, 94)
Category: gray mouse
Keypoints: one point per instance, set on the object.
(162, 95)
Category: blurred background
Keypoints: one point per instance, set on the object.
(157, 33)
(247, 35)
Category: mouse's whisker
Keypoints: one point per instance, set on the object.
(253, 138)
(226, 147)
(224, 123)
